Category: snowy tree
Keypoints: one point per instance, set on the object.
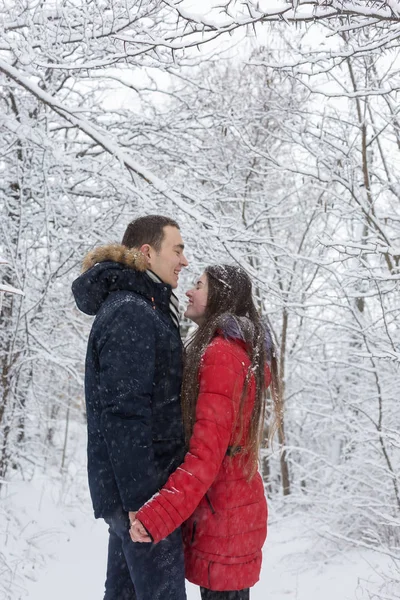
(272, 135)
(312, 186)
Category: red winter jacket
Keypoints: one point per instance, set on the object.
(225, 514)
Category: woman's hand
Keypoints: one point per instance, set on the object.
(138, 533)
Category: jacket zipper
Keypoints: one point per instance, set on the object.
(210, 505)
(193, 531)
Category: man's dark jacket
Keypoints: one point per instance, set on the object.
(132, 380)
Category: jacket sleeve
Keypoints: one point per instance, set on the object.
(126, 351)
(215, 417)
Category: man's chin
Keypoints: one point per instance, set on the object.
(174, 282)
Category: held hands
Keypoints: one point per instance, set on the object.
(137, 532)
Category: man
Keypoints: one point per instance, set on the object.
(132, 387)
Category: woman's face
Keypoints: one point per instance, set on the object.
(196, 308)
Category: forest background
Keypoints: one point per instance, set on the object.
(271, 132)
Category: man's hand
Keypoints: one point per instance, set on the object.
(137, 532)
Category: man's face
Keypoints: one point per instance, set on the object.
(168, 262)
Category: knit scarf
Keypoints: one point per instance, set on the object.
(173, 301)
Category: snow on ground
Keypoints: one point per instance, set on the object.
(79, 570)
(62, 553)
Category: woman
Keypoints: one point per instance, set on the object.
(217, 492)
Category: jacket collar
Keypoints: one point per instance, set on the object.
(241, 328)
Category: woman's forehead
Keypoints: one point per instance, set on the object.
(202, 278)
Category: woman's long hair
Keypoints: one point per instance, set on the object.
(230, 299)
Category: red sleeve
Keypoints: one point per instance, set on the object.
(221, 380)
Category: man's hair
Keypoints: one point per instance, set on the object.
(147, 230)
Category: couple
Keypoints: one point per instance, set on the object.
(173, 442)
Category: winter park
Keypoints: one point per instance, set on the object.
(199, 300)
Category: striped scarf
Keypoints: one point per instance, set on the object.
(173, 301)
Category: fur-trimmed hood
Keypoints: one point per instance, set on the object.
(129, 257)
(241, 328)
(115, 268)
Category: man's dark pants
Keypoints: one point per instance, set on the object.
(143, 571)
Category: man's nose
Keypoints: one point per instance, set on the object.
(184, 261)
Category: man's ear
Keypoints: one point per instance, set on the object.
(146, 250)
